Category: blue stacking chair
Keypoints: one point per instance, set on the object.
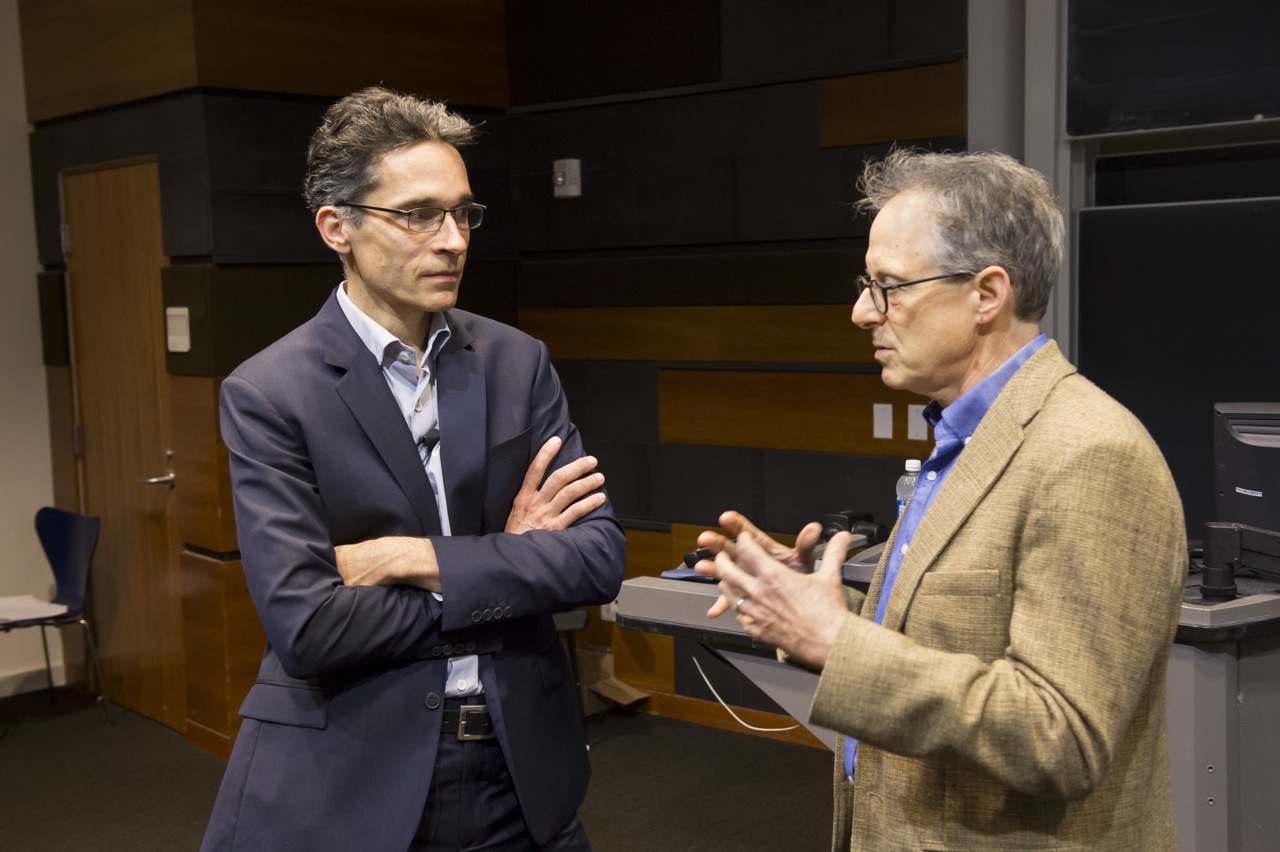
(69, 540)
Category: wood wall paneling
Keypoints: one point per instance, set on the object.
(203, 511)
(753, 333)
(642, 660)
(447, 49)
(79, 55)
(902, 104)
(817, 412)
(224, 642)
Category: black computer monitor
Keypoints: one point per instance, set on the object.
(1246, 463)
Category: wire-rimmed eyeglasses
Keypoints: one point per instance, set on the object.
(880, 292)
(426, 220)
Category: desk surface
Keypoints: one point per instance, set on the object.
(679, 608)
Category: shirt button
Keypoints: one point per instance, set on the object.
(931, 475)
(433, 701)
(462, 686)
(905, 548)
(404, 357)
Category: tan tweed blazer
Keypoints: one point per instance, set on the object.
(1015, 696)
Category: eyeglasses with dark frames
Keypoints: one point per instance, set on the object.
(880, 292)
(427, 220)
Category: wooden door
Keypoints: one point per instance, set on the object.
(114, 258)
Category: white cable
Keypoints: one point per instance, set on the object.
(730, 709)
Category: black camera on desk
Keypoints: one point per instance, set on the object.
(858, 523)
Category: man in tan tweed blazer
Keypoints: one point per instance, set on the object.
(1008, 690)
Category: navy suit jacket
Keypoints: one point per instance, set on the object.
(340, 730)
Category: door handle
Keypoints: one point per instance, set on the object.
(167, 479)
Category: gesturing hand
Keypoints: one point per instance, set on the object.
(797, 558)
(565, 497)
(798, 612)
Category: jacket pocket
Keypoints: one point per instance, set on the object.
(286, 704)
(960, 583)
(517, 446)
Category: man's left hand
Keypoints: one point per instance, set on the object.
(799, 613)
(565, 497)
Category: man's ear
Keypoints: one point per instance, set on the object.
(332, 226)
(995, 293)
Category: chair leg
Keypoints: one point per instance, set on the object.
(95, 668)
(48, 666)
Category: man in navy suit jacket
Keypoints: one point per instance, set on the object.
(404, 545)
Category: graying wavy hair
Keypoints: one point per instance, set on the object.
(360, 129)
(988, 210)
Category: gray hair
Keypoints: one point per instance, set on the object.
(360, 129)
(988, 210)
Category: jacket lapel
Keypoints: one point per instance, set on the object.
(460, 394)
(363, 388)
(981, 463)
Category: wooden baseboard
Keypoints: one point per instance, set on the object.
(710, 713)
(207, 739)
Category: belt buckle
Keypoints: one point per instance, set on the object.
(463, 712)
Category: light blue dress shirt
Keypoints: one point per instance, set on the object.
(953, 426)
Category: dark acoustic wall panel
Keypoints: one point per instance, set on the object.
(235, 311)
(169, 129)
(763, 38)
(54, 334)
(721, 167)
(580, 49)
(813, 274)
(1176, 312)
(257, 159)
(1147, 64)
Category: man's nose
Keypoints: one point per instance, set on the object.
(450, 237)
(865, 313)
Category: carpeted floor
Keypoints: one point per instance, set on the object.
(81, 776)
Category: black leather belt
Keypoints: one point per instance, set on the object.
(467, 721)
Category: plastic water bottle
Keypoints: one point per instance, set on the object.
(907, 483)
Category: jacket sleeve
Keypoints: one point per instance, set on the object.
(539, 571)
(315, 624)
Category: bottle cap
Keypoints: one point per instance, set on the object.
(913, 465)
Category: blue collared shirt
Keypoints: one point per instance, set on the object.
(953, 426)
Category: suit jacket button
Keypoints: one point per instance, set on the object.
(506, 613)
(497, 612)
(447, 650)
(433, 701)
(476, 616)
(435, 650)
(471, 646)
(488, 615)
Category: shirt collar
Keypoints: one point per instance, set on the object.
(959, 419)
(384, 345)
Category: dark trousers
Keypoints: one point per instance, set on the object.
(472, 805)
